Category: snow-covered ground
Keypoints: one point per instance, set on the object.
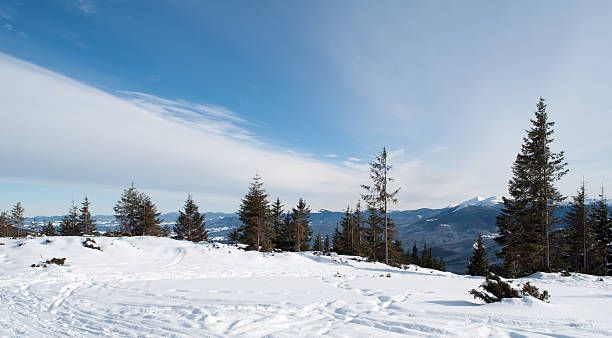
(146, 286)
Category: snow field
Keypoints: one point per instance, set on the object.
(144, 286)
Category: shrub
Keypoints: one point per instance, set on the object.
(533, 291)
(91, 243)
(496, 289)
(56, 261)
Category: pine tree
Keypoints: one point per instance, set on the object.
(527, 218)
(70, 223)
(318, 243)
(579, 233)
(190, 224)
(148, 221)
(87, 226)
(299, 232)
(17, 219)
(479, 264)
(326, 246)
(441, 264)
(378, 194)
(48, 230)
(254, 213)
(280, 227)
(601, 223)
(127, 211)
(427, 259)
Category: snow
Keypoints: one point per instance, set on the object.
(144, 286)
(478, 201)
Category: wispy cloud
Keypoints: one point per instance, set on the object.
(161, 144)
(8, 26)
(330, 155)
(87, 6)
(353, 159)
(4, 15)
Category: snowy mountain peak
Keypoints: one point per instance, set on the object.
(478, 201)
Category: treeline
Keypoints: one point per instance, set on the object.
(371, 233)
(531, 236)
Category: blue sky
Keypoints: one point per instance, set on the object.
(303, 92)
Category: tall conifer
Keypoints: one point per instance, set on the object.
(254, 213)
(87, 226)
(527, 218)
(479, 264)
(300, 232)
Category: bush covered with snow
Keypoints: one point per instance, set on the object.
(496, 289)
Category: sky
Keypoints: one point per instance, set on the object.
(197, 97)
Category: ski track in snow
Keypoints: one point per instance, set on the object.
(144, 286)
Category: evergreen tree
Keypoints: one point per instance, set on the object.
(48, 230)
(378, 194)
(299, 232)
(527, 217)
(344, 239)
(360, 246)
(280, 227)
(441, 264)
(17, 219)
(414, 257)
(127, 211)
(326, 247)
(70, 223)
(166, 231)
(4, 224)
(318, 243)
(148, 221)
(601, 224)
(374, 234)
(87, 226)
(479, 264)
(338, 243)
(190, 224)
(427, 259)
(579, 233)
(254, 213)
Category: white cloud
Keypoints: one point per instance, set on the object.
(353, 159)
(87, 6)
(4, 15)
(8, 26)
(330, 155)
(76, 134)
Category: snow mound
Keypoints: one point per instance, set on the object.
(146, 286)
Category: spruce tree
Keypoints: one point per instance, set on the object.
(338, 243)
(254, 213)
(280, 227)
(579, 233)
(378, 194)
(70, 223)
(190, 224)
(17, 219)
(414, 257)
(326, 246)
(300, 233)
(374, 234)
(601, 224)
(48, 229)
(360, 246)
(4, 224)
(318, 243)
(527, 218)
(87, 226)
(148, 221)
(127, 211)
(479, 264)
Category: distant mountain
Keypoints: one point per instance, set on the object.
(450, 231)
